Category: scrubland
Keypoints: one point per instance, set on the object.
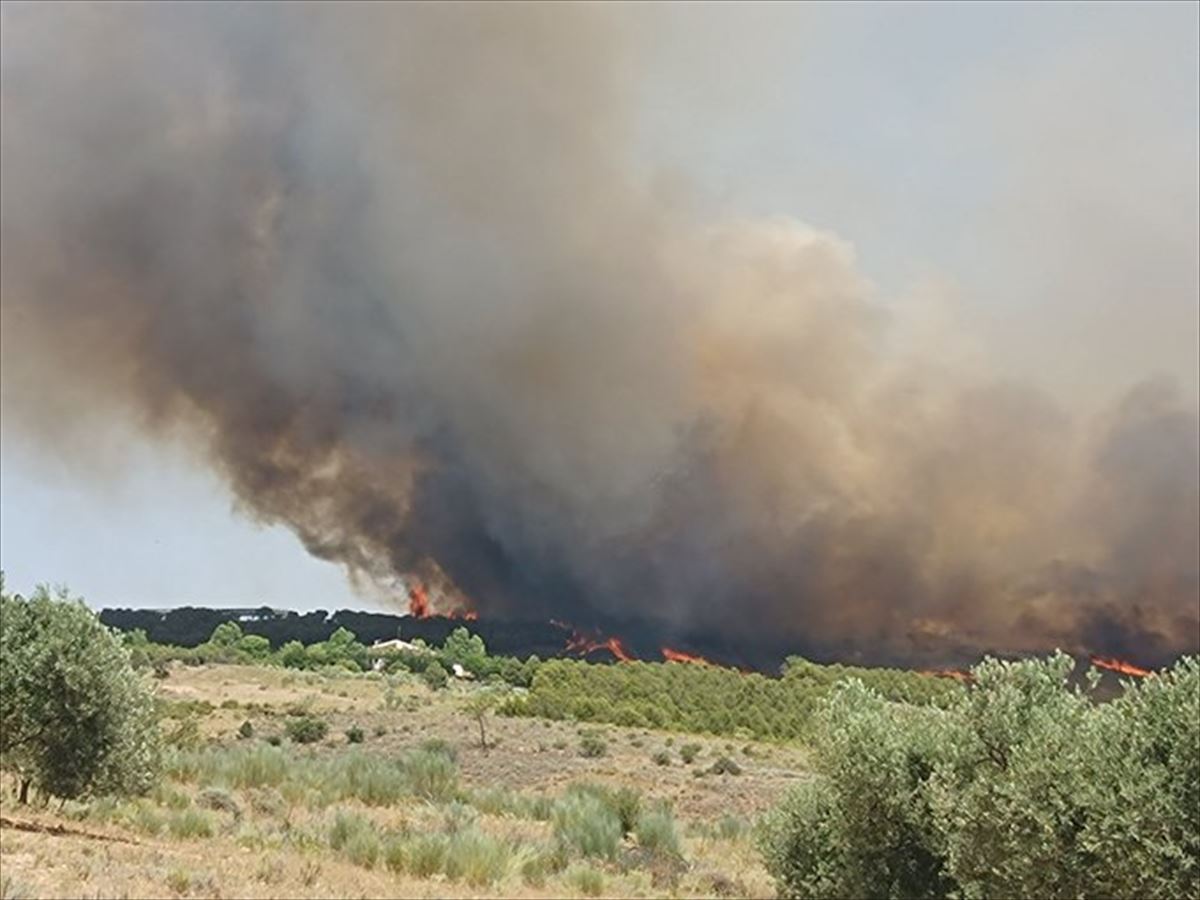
(400, 799)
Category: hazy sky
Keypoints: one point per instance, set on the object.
(987, 162)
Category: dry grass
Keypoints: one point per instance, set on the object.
(270, 840)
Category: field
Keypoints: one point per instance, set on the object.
(240, 817)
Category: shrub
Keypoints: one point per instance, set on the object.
(354, 735)
(167, 796)
(724, 765)
(426, 855)
(371, 779)
(185, 735)
(75, 717)
(306, 729)
(363, 848)
(179, 881)
(584, 824)
(730, 828)
(655, 831)
(537, 863)
(268, 802)
(803, 848)
(458, 816)
(689, 752)
(662, 758)
(190, 823)
(147, 819)
(534, 868)
(475, 857)
(395, 853)
(624, 802)
(497, 801)
(246, 730)
(586, 880)
(240, 767)
(436, 677)
(591, 744)
(442, 746)
(539, 807)
(355, 836)
(431, 776)
(219, 800)
(345, 826)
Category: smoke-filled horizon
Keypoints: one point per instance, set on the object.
(398, 274)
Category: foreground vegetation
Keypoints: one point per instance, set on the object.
(75, 718)
(1023, 787)
(618, 780)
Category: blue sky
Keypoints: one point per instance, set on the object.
(1021, 158)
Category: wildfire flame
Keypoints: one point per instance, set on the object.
(956, 674)
(582, 643)
(420, 607)
(671, 655)
(1119, 665)
(418, 602)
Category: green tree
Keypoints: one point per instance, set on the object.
(75, 718)
(436, 676)
(479, 706)
(255, 646)
(1023, 786)
(227, 634)
(342, 649)
(293, 655)
(466, 649)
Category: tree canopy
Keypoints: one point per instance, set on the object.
(75, 717)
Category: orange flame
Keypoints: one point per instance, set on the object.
(583, 644)
(617, 649)
(956, 674)
(671, 655)
(1118, 665)
(418, 602)
(420, 606)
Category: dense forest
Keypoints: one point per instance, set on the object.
(190, 626)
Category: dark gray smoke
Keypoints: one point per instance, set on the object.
(396, 270)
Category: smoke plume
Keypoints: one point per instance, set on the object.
(399, 274)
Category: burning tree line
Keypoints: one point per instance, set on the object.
(514, 365)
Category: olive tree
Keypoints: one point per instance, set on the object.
(1024, 786)
(75, 718)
